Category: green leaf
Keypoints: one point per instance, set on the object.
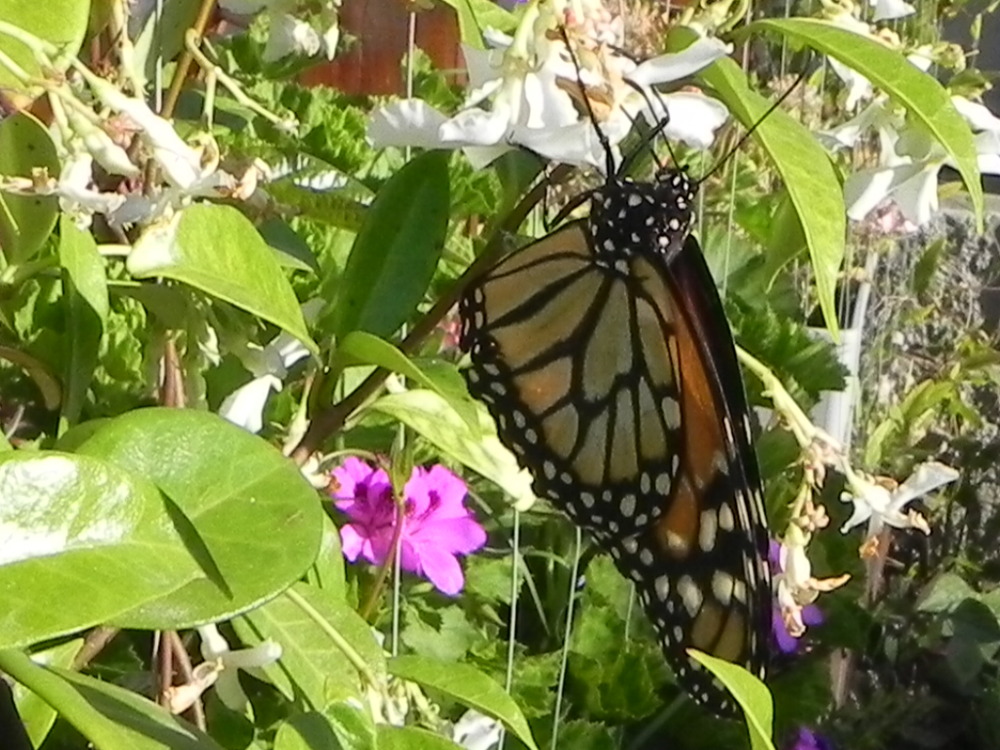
(925, 99)
(327, 572)
(48, 385)
(447, 640)
(476, 15)
(290, 250)
(944, 593)
(37, 715)
(750, 693)
(804, 166)
(110, 717)
(253, 520)
(468, 686)
(70, 525)
(352, 723)
(431, 416)
(308, 731)
(26, 221)
(396, 251)
(371, 350)
(412, 738)
(216, 249)
(60, 22)
(310, 664)
(86, 291)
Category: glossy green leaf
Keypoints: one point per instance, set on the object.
(308, 731)
(805, 168)
(371, 350)
(888, 69)
(468, 686)
(216, 249)
(253, 521)
(59, 22)
(111, 717)
(37, 715)
(352, 723)
(26, 221)
(412, 738)
(749, 692)
(396, 251)
(70, 524)
(86, 295)
(431, 416)
(311, 664)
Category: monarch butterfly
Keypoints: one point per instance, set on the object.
(603, 354)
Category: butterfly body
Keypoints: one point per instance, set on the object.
(604, 356)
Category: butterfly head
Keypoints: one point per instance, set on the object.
(629, 218)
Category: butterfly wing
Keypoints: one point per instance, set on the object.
(616, 385)
(701, 569)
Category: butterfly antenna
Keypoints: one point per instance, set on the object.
(780, 100)
(605, 143)
(650, 136)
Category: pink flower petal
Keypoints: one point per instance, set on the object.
(442, 569)
(451, 535)
(351, 542)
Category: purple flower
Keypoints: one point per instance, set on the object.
(436, 524)
(806, 739)
(810, 614)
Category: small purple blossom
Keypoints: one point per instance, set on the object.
(811, 614)
(806, 739)
(436, 524)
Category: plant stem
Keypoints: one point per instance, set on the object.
(184, 62)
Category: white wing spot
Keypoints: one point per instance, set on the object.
(646, 557)
(628, 505)
(707, 530)
(726, 520)
(663, 483)
(588, 499)
(722, 586)
(690, 594)
(663, 588)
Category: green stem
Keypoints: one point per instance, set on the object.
(383, 571)
(334, 635)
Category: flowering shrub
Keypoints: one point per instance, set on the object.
(245, 498)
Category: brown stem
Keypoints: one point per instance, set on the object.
(331, 419)
(172, 388)
(93, 644)
(184, 61)
(182, 662)
(164, 668)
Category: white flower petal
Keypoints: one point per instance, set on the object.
(858, 87)
(475, 127)
(474, 731)
(917, 196)
(572, 144)
(408, 122)
(481, 157)
(978, 116)
(676, 65)
(482, 67)
(888, 9)
(926, 478)
(244, 407)
(862, 512)
(694, 118)
(288, 35)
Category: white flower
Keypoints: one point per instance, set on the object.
(289, 35)
(225, 664)
(76, 196)
(181, 164)
(475, 731)
(875, 503)
(526, 90)
(910, 161)
(269, 366)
